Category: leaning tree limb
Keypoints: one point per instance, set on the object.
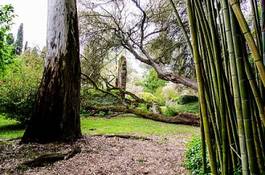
(181, 118)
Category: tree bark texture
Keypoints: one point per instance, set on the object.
(122, 75)
(56, 116)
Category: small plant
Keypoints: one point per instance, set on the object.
(142, 107)
(170, 111)
(193, 157)
(149, 97)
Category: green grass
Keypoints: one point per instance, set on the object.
(133, 125)
(119, 125)
(10, 128)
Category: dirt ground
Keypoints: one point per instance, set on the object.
(100, 156)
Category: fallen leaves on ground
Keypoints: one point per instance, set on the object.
(100, 156)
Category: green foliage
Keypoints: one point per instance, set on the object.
(190, 107)
(169, 111)
(149, 97)
(162, 47)
(92, 97)
(185, 99)
(6, 50)
(19, 41)
(173, 110)
(193, 157)
(143, 107)
(160, 96)
(151, 82)
(18, 86)
(93, 63)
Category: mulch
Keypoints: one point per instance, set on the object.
(100, 155)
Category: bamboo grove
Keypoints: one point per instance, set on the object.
(229, 56)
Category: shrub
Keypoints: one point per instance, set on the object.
(169, 111)
(161, 100)
(193, 157)
(18, 87)
(92, 97)
(184, 99)
(149, 97)
(143, 107)
(151, 82)
(190, 107)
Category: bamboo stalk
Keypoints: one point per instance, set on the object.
(201, 88)
(249, 38)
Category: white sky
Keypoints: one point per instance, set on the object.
(33, 14)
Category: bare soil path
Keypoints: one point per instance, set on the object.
(101, 156)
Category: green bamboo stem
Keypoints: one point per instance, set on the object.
(249, 38)
(255, 91)
(237, 98)
(257, 144)
(201, 88)
(263, 28)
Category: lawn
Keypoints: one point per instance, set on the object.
(10, 128)
(119, 125)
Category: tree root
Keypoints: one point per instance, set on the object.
(51, 158)
(123, 136)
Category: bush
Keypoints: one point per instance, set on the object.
(143, 107)
(169, 111)
(18, 87)
(185, 99)
(193, 157)
(161, 100)
(190, 107)
(149, 97)
(92, 97)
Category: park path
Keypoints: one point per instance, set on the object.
(103, 156)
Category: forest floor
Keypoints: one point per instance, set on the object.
(149, 152)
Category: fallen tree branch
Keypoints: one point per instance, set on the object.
(182, 118)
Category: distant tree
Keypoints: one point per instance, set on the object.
(19, 41)
(92, 63)
(56, 116)
(151, 81)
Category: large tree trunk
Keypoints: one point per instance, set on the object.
(56, 116)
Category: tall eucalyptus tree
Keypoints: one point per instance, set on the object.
(56, 115)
